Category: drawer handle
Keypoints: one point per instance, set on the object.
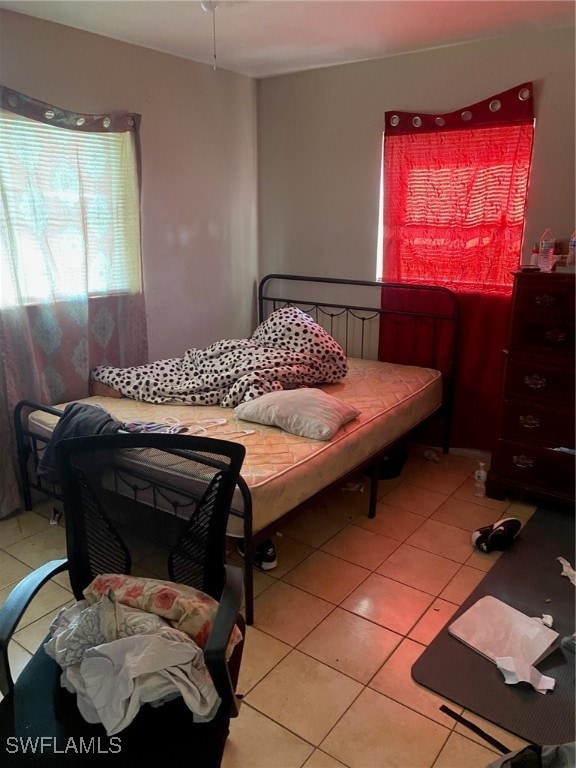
(545, 300)
(556, 336)
(523, 461)
(529, 422)
(535, 382)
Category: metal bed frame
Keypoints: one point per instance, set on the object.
(355, 324)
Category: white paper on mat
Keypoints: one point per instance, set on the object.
(567, 570)
(495, 629)
(516, 671)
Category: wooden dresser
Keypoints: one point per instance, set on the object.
(537, 412)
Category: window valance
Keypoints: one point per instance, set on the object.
(27, 106)
(514, 106)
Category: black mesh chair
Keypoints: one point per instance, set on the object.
(148, 505)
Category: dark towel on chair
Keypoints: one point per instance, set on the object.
(78, 420)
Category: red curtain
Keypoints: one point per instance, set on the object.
(454, 200)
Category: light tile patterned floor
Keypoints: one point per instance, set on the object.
(338, 624)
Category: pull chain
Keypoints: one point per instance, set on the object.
(214, 35)
(210, 7)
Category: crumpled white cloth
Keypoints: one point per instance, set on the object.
(82, 626)
(116, 658)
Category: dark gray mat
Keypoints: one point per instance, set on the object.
(527, 577)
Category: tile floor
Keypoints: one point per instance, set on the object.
(338, 624)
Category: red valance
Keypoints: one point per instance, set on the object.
(515, 105)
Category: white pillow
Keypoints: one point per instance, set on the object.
(306, 412)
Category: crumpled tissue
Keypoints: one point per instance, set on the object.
(567, 570)
(518, 671)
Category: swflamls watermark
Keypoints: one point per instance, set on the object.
(38, 745)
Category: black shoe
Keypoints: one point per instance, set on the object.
(391, 464)
(264, 557)
(498, 536)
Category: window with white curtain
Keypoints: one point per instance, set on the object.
(69, 212)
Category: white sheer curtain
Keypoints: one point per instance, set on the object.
(70, 263)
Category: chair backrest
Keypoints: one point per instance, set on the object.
(148, 504)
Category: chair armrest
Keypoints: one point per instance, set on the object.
(215, 651)
(13, 609)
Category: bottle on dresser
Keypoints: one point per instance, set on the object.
(546, 251)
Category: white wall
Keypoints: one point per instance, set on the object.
(199, 229)
(320, 137)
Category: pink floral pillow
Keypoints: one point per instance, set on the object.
(186, 608)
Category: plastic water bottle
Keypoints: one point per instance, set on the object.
(571, 260)
(480, 480)
(546, 251)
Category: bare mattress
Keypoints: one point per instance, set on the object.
(283, 470)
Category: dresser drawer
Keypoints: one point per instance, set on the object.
(544, 296)
(545, 384)
(547, 338)
(538, 424)
(534, 467)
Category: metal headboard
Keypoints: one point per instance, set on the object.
(357, 312)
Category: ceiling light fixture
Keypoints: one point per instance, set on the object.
(210, 7)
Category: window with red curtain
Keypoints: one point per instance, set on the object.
(455, 190)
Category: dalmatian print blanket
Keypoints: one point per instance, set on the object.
(286, 351)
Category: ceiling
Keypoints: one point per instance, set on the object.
(263, 38)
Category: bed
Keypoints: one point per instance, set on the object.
(400, 343)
